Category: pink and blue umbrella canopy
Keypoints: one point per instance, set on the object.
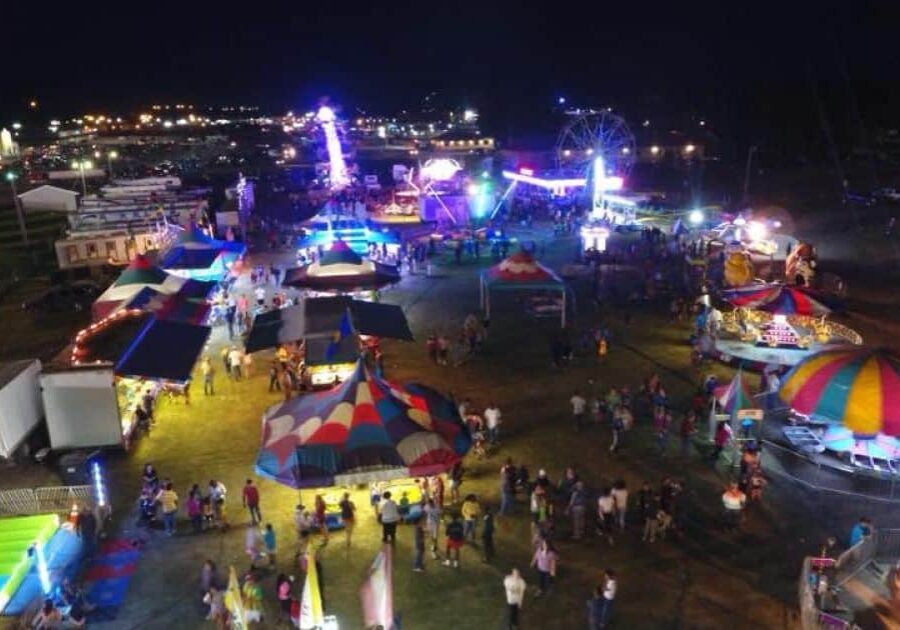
(366, 429)
(777, 299)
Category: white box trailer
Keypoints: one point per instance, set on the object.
(21, 408)
(82, 408)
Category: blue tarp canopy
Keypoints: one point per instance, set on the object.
(163, 350)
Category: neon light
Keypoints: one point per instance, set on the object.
(599, 177)
(549, 184)
(99, 489)
(622, 201)
(695, 217)
(338, 174)
(43, 571)
(440, 169)
(526, 171)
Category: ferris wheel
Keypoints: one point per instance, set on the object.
(595, 133)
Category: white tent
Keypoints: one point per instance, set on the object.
(50, 198)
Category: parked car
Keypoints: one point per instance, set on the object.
(76, 296)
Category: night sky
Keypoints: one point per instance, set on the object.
(746, 68)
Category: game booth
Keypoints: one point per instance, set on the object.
(365, 430)
(115, 367)
(845, 409)
(308, 330)
(778, 324)
(341, 270)
(521, 272)
(197, 256)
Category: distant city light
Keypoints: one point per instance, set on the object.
(702, 123)
(647, 123)
(626, 150)
(654, 149)
(33, 104)
(469, 115)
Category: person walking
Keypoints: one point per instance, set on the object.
(251, 544)
(456, 479)
(470, 511)
(432, 517)
(507, 486)
(515, 588)
(235, 360)
(389, 514)
(348, 516)
(618, 428)
(487, 536)
(579, 405)
(733, 501)
(208, 372)
(610, 586)
(577, 509)
(492, 418)
(620, 496)
(250, 500)
(168, 501)
(270, 544)
(216, 492)
(595, 607)
(86, 527)
(606, 507)
(544, 560)
(456, 538)
(194, 512)
(419, 545)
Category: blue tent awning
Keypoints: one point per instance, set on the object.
(164, 350)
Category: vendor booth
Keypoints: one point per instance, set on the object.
(521, 272)
(341, 270)
(367, 429)
(115, 368)
(327, 334)
(198, 256)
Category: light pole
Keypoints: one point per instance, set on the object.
(112, 155)
(11, 178)
(81, 165)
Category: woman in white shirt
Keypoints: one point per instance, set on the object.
(606, 508)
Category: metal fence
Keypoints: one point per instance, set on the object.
(56, 499)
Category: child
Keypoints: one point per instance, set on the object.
(375, 495)
(478, 444)
(757, 483)
(207, 512)
(269, 540)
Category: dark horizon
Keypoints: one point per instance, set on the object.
(749, 72)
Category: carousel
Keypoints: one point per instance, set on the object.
(777, 324)
(845, 409)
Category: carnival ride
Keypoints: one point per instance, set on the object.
(592, 134)
(777, 324)
(846, 402)
(337, 174)
(341, 270)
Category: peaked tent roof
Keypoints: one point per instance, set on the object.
(365, 429)
(141, 271)
(521, 269)
(340, 268)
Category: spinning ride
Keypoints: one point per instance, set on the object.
(595, 134)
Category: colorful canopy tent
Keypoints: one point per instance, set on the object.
(734, 396)
(138, 344)
(858, 387)
(178, 307)
(321, 317)
(520, 272)
(341, 269)
(139, 274)
(196, 255)
(364, 430)
(777, 299)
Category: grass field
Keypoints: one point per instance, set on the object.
(706, 580)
